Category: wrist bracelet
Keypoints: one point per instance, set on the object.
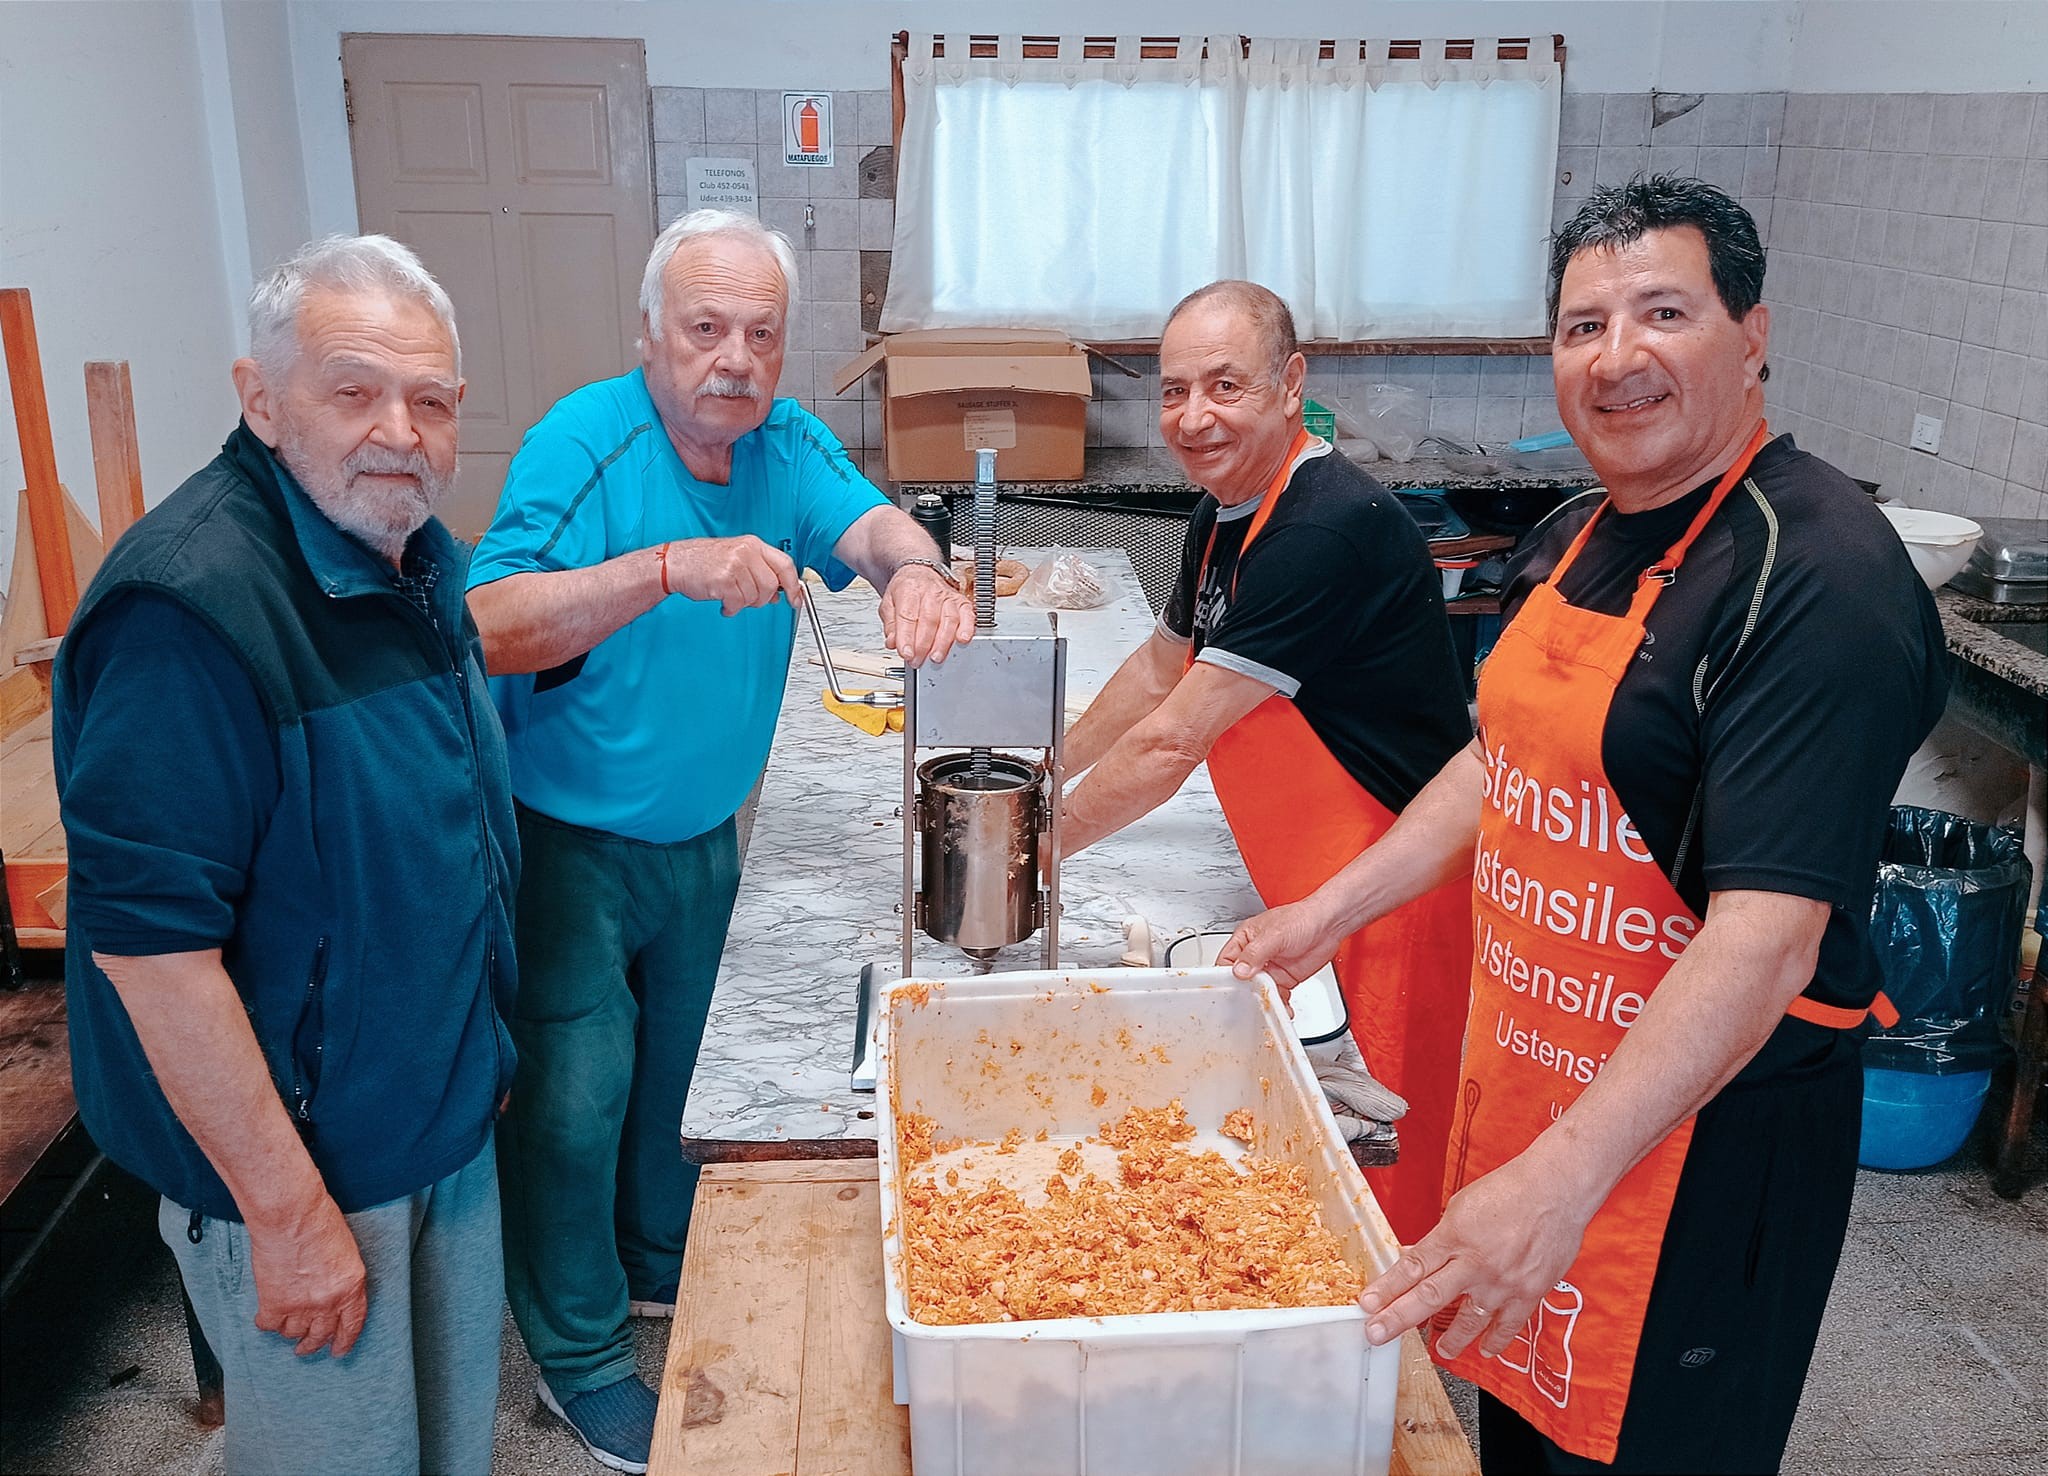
(665, 590)
(932, 564)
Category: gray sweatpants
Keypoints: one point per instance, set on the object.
(419, 1390)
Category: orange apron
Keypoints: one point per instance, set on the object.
(1574, 925)
(1299, 818)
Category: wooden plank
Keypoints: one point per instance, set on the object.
(23, 624)
(733, 1382)
(1428, 1440)
(116, 458)
(55, 899)
(28, 786)
(796, 1171)
(823, 1151)
(24, 695)
(785, 1262)
(38, 460)
(851, 1424)
(27, 881)
(47, 846)
(36, 1104)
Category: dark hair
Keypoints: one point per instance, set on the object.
(1271, 319)
(1620, 215)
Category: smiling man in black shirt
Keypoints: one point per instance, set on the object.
(1690, 733)
(1304, 654)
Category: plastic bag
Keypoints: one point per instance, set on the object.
(1951, 900)
(1396, 418)
(1066, 581)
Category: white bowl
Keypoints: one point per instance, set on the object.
(1317, 1003)
(1940, 543)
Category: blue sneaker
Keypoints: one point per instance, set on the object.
(615, 1423)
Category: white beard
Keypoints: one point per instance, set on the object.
(382, 516)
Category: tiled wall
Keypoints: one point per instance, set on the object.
(1909, 272)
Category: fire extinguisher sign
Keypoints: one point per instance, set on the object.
(807, 129)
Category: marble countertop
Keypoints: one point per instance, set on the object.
(1971, 627)
(823, 878)
(1143, 471)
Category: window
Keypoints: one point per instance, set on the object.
(1385, 196)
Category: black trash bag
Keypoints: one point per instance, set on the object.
(1945, 923)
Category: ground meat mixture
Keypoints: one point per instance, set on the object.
(1175, 1230)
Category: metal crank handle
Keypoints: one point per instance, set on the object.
(860, 699)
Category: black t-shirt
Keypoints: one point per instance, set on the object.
(1785, 677)
(1338, 606)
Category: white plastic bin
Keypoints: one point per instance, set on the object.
(1288, 1392)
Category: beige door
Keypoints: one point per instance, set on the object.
(519, 170)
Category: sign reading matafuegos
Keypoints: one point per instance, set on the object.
(722, 184)
(807, 129)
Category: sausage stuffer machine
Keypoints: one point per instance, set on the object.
(981, 823)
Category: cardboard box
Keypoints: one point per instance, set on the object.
(947, 391)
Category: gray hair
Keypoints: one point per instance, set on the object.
(697, 225)
(339, 264)
(1271, 320)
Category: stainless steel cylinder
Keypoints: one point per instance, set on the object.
(979, 843)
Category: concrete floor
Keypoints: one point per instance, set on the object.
(1934, 1356)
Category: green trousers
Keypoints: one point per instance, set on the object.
(619, 943)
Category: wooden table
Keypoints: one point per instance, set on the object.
(779, 1358)
(36, 1104)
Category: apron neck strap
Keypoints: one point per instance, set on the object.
(1275, 487)
(1269, 499)
(1656, 578)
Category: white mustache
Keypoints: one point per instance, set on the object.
(730, 388)
(377, 461)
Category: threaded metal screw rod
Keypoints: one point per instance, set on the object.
(984, 563)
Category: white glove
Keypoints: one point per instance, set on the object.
(1362, 1106)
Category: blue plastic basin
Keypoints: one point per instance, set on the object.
(1912, 1120)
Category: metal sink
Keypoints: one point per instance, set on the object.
(2030, 633)
(1992, 690)
(2027, 625)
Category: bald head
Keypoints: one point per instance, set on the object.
(1268, 322)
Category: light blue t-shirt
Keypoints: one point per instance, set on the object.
(662, 732)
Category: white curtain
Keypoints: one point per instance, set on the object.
(1382, 199)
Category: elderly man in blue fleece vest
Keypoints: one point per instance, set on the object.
(292, 858)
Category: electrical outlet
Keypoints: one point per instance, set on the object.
(1926, 435)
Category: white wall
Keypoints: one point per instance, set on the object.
(1921, 46)
(107, 216)
(268, 148)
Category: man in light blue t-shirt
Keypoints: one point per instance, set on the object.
(635, 596)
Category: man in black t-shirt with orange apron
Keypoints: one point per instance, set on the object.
(1689, 736)
(1305, 654)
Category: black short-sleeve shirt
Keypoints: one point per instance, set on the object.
(1338, 607)
(1785, 677)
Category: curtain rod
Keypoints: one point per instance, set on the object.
(1166, 48)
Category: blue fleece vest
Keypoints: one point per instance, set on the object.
(372, 945)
